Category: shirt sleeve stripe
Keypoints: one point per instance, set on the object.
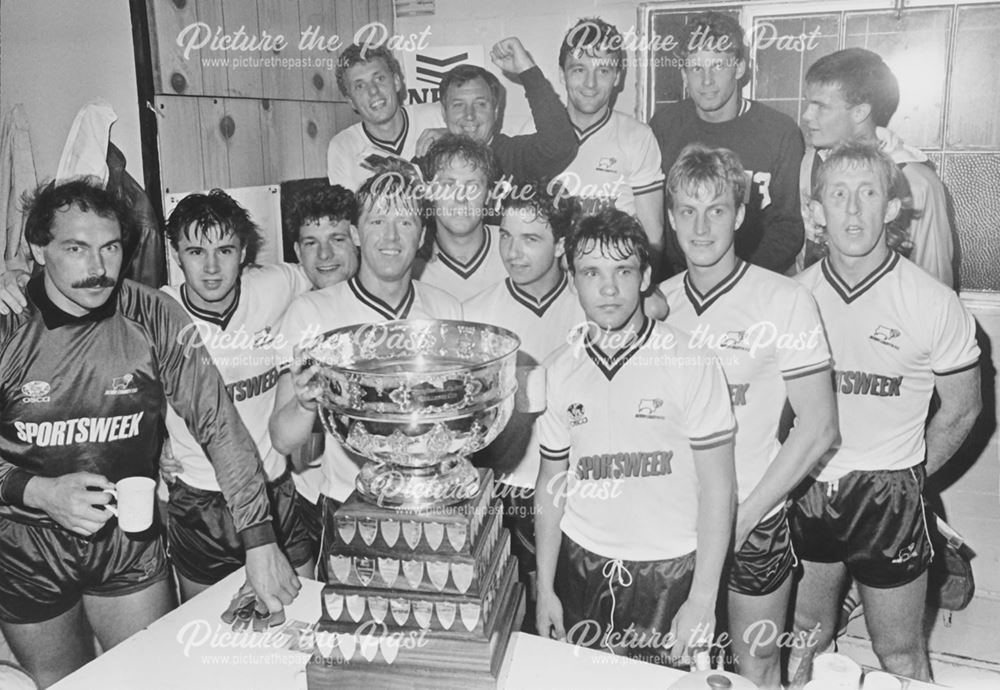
(713, 440)
(799, 372)
(647, 188)
(960, 368)
(550, 454)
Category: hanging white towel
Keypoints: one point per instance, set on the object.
(86, 148)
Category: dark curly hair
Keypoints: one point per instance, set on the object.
(558, 210)
(323, 201)
(610, 231)
(450, 146)
(85, 193)
(199, 215)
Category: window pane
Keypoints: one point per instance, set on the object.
(785, 47)
(915, 47)
(974, 117)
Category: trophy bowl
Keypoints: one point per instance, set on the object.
(416, 398)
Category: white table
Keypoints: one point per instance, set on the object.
(177, 651)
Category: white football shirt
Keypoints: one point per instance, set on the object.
(627, 423)
(618, 160)
(544, 326)
(241, 344)
(766, 330)
(890, 335)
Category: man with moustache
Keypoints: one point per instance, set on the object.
(388, 228)
(768, 143)
(636, 464)
(372, 80)
(88, 369)
(898, 337)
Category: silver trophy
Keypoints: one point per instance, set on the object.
(416, 398)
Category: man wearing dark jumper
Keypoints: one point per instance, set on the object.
(768, 143)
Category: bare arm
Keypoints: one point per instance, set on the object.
(295, 406)
(716, 473)
(961, 402)
(815, 406)
(550, 498)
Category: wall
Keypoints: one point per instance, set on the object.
(56, 55)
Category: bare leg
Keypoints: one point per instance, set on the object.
(817, 604)
(895, 620)
(189, 588)
(755, 622)
(52, 649)
(116, 618)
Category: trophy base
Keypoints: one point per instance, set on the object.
(452, 481)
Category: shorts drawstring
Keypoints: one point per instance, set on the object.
(832, 487)
(612, 569)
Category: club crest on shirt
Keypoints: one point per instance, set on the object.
(648, 408)
(576, 414)
(36, 391)
(122, 385)
(607, 164)
(735, 340)
(262, 338)
(885, 335)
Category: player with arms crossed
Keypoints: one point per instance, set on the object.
(637, 464)
(897, 336)
(768, 335)
(86, 372)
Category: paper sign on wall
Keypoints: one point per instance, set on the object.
(423, 69)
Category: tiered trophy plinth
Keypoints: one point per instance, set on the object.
(416, 600)
(421, 588)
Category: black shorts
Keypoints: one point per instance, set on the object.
(642, 611)
(44, 570)
(327, 507)
(311, 515)
(765, 560)
(873, 522)
(519, 519)
(204, 545)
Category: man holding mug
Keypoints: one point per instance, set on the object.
(86, 371)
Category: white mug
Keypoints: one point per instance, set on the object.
(134, 497)
(530, 396)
